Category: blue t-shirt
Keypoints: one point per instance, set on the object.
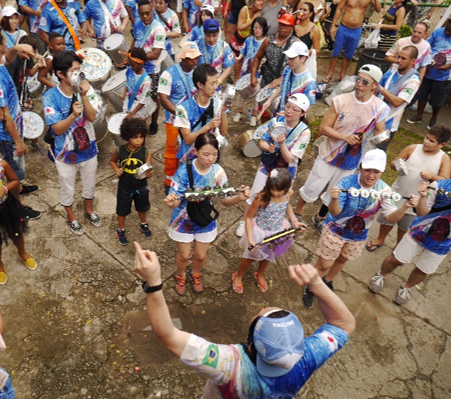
(439, 42)
(292, 84)
(180, 220)
(34, 4)
(197, 33)
(133, 4)
(432, 231)
(52, 22)
(220, 56)
(250, 48)
(232, 374)
(9, 98)
(358, 213)
(56, 108)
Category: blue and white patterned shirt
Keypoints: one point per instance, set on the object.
(9, 98)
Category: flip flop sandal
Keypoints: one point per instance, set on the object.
(370, 245)
(237, 288)
(262, 287)
(327, 80)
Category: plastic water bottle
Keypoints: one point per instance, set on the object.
(249, 113)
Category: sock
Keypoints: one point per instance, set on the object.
(323, 211)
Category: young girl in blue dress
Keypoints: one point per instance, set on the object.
(206, 172)
(266, 217)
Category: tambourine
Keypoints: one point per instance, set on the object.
(401, 167)
(202, 194)
(141, 173)
(441, 191)
(374, 194)
(76, 78)
(379, 138)
(277, 129)
(277, 236)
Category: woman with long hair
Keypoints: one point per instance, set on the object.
(306, 29)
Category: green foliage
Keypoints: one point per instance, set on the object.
(405, 31)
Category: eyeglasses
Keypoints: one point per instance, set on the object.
(363, 81)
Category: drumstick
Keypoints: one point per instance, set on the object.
(259, 117)
(117, 94)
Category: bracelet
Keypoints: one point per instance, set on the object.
(149, 289)
(6, 190)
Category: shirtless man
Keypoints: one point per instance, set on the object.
(349, 32)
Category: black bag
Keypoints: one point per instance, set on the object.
(49, 138)
(270, 159)
(201, 213)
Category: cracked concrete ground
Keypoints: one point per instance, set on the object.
(77, 326)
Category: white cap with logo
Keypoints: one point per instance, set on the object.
(375, 159)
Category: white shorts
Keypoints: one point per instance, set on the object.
(322, 175)
(67, 173)
(408, 248)
(403, 224)
(258, 186)
(204, 238)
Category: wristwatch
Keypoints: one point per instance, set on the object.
(147, 289)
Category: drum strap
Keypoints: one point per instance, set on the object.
(184, 80)
(69, 27)
(111, 21)
(135, 90)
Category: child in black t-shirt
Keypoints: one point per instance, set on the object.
(126, 161)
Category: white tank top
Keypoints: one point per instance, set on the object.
(418, 162)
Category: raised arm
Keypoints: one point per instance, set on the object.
(332, 307)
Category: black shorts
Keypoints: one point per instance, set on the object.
(125, 197)
(435, 90)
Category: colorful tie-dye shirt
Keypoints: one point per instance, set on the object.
(194, 11)
(424, 51)
(353, 118)
(143, 94)
(133, 4)
(292, 84)
(250, 47)
(197, 33)
(52, 22)
(358, 213)
(232, 374)
(178, 85)
(9, 98)
(34, 19)
(220, 56)
(297, 142)
(102, 25)
(56, 106)
(439, 43)
(148, 38)
(174, 26)
(180, 221)
(432, 231)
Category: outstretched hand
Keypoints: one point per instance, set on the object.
(303, 275)
(147, 265)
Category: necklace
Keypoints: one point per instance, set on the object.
(281, 42)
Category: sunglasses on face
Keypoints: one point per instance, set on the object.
(363, 81)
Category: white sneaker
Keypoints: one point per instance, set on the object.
(237, 117)
(376, 283)
(403, 295)
(253, 121)
(241, 229)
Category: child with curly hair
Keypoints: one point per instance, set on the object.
(126, 161)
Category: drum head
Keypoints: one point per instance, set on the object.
(277, 129)
(115, 81)
(243, 82)
(251, 149)
(33, 125)
(114, 41)
(115, 122)
(96, 63)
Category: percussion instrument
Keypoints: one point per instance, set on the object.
(317, 143)
(379, 138)
(376, 195)
(115, 44)
(441, 58)
(260, 130)
(284, 235)
(114, 127)
(244, 88)
(115, 87)
(76, 78)
(33, 125)
(99, 124)
(202, 194)
(96, 65)
(248, 145)
(263, 95)
(441, 191)
(228, 95)
(165, 60)
(34, 86)
(277, 129)
(401, 167)
(141, 173)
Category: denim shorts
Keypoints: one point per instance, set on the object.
(347, 39)
(8, 152)
(232, 19)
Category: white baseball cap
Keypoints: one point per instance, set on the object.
(297, 48)
(373, 71)
(300, 100)
(375, 159)
(208, 7)
(8, 11)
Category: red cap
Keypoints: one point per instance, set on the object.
(287, 19)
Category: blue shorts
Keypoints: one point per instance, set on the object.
(8, 152)
(347, 39)
(232, 19)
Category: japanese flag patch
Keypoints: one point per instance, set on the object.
(49, 111)
(1, 93)
(330, 339)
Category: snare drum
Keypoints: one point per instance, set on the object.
(249, 146)
(244, 88)
(96, 66)
(33, 125)
(141, 173)
(263, 96)
(277, 129)
(115, 43)
(34, 86)
(115, 84)
(114, 127)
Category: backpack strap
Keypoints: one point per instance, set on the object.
(189, 168)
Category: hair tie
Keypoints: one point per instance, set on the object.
(274, 173)
(137, 60)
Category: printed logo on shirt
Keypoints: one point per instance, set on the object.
(212, 356)
(1, 93)
(408, 90)
(49, 111)
(159, 38)
(179, 113)
(43, 21)
(175, 185)
(163, 81)
(333, 344)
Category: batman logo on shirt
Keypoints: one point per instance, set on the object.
(132, 165)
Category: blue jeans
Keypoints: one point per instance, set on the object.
(8, 152)
(8, 391)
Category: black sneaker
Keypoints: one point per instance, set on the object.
(121, 237)
(31, 213)
(144, 227)
(415, 119)
(94, 218)
(153, 129)
(431, 123)
(330, 284)
(28, 189)
(307, 298)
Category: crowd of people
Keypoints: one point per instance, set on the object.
(273, 46)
